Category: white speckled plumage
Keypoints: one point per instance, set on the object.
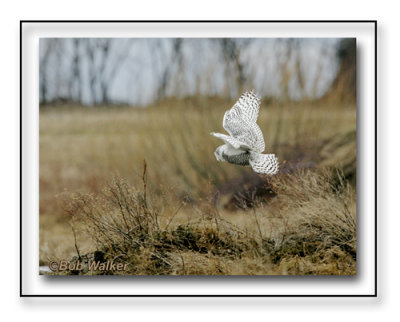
(245, 143)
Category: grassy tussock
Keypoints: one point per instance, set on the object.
(311, 229)
(320, 210)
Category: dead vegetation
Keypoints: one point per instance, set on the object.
(184, 213)
(309, 228)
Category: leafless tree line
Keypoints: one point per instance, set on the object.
(105, 71)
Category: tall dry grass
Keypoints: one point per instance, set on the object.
(309, 229)
(81, 149)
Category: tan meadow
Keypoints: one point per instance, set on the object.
(141, 186)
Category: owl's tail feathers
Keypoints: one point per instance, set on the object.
(264, 163)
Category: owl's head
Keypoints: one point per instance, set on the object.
(218, 153)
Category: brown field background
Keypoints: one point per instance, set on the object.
(169, 220)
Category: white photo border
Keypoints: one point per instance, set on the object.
(364, 284)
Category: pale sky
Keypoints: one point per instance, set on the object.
(142, 62)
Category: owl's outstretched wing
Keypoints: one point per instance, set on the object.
(246, 108)
(240, 121)
(264, 163)
(237, 144)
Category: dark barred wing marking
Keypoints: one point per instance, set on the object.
(264, 163)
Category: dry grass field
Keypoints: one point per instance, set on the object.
(141, 186)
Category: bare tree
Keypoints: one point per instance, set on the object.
(87, 70)
(231, 50)
(48, 76)
(298, 70)
(90, 50)
(174, 66)
(103, 67)
(103, 46)
(343, 88)
(75, 85)
(283, 58)
(43, 69)
(114, 66)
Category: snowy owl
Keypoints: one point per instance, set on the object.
(245, 143)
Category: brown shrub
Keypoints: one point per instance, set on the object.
(312, 230)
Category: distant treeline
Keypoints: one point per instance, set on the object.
(111, 71)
